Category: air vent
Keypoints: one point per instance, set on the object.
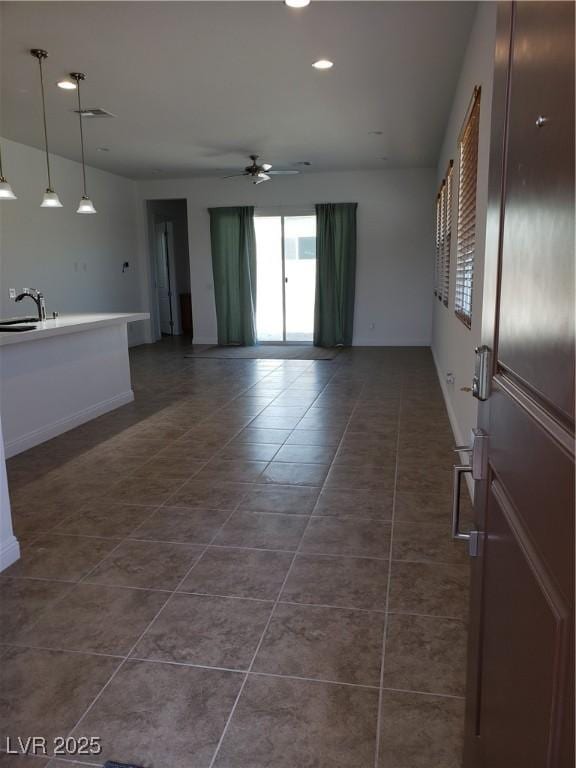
(95, 112)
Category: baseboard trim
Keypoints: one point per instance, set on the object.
(458, 437)
(31, 439)
(9, 552)
(371, 342)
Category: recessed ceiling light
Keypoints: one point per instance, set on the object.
(66, 84)
(323, 64)
(297, 3)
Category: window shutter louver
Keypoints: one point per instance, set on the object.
(443, 237)
(447, 240)
(438, 265)
(466, 242)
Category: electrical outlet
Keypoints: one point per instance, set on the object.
(12, 293)
(372, 326)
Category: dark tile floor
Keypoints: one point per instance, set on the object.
(248, 567)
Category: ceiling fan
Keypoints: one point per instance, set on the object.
(260, 172)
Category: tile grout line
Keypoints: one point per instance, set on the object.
(276, 602)
(388, 588)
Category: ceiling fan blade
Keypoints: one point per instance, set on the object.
(266, 166)
(262, 177)
(283, 173)
(235, 175)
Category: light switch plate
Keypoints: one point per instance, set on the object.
(12, 293)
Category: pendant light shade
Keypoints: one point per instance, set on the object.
(86, 205)
(6, 192)
(50, 199)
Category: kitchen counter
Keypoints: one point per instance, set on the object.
(67, 324)
(63, 373)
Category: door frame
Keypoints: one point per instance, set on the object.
(164, 228)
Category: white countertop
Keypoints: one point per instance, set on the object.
(68, 324)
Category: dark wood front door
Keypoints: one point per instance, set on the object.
(520, 693)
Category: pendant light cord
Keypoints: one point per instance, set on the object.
(81, 136)
(44, 120)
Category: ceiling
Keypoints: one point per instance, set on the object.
(197, 86)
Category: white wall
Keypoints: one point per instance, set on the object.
(453, 343)
(75, 260)
(395, 242)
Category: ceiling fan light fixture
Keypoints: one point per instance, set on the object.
(297, 3)
(323, 64)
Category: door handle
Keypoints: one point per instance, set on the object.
(459, 470)
(473, 537)
(478, 468)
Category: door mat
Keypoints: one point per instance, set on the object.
(266, 352)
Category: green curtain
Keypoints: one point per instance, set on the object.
(234, 269)
(335, 274)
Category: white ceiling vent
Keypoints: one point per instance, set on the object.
(95, 112)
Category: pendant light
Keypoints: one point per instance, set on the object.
(86, 205)
(5, 188)
(50, 199)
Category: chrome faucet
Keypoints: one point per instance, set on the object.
(37, 298)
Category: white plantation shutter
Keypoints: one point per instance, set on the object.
(437, 265)
(443, 237)
(447, 239)
(466, 242)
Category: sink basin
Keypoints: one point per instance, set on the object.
(15, 328)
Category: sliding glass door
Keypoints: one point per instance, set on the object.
(286, 271)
